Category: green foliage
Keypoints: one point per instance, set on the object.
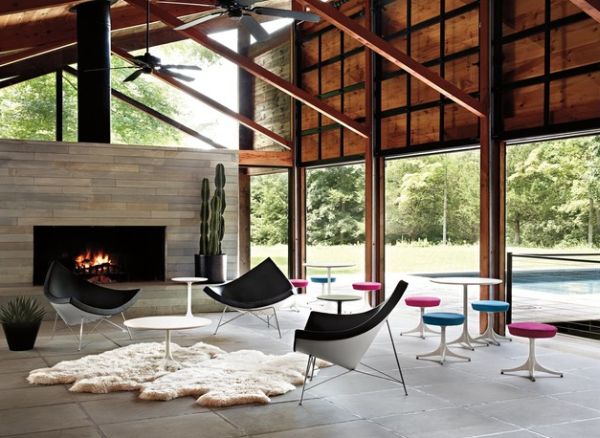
(335, 205)
(21, 310)
(269, 209)
(213, 229)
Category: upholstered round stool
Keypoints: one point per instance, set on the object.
(443, 320)
(422, 303)
(366, 287)
(491, 307)
(533, 331)
(298, 283)
(322, 280)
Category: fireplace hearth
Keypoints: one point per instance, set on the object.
(101, 254)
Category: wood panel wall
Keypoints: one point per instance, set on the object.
(332, 67)
(550, 69)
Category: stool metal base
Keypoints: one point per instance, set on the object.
(489, 336)
(421, 328)
(442, 351)
(531, 364)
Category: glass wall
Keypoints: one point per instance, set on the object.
(335, 228)
(269, 219)
(432, 215)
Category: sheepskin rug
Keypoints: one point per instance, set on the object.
(215, 377)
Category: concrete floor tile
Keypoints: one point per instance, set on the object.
(34, 396)
(285, 416)
(354, 429)
(443, 423)
(22, 365)
(202, 425)
(45, 418)
(79, 432)
(587, 428)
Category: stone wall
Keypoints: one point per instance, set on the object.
(96, 184)
(272, 106)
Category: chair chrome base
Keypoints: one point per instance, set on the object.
(421, 328)
(531, 364)
(310, 371)
(84, 321)
(252, 312)
(442, 351)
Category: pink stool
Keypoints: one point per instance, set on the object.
(366, 286)
(533, 331)
(423, 303)
(298, 283)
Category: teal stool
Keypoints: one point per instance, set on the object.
(322, 280)
(491, 307)
(443, 320)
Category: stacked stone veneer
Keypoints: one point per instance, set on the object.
(95, 184)
(272, 107)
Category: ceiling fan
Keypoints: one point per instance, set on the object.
(148, 63)
(243, 11)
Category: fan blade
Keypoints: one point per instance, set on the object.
(254, 27)
(176, 75)
(247, 3)
(187, 3)
(296, 15)
(182, 67)
(201, 19)
(133, 76)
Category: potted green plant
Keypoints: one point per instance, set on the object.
(210, 262)
(21, 319)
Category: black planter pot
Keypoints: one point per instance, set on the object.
(213, 267)
(21, 336)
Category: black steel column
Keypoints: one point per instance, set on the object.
(93, 64)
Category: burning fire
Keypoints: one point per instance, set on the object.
(89, 260)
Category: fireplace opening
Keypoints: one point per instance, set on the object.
(101, 254)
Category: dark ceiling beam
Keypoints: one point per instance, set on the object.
(590, 7)
(251, 67)
(22, 34)
(397, 57)
(17, 6)
(156, 114)
(33, 52)
(246, 121)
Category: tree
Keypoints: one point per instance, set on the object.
(269, 209)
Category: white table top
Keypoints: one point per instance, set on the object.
(189, 279)
(468, 281)
(329, 265)
(167, 322)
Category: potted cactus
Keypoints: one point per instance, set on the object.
(210, 261)
(21, 319)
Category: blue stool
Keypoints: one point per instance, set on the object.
(490, 307)
(322, 280)
(443, 320)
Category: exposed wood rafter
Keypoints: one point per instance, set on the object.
(590, 7)
(246, 121)
(34, 51)
(156, 114)
(250, 66)
(397, 57)
(14, 6)
(266, 158)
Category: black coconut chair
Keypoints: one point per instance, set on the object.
(78, 301)
(258, 290)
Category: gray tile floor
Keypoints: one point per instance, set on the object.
(454, 400)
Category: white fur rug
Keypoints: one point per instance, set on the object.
(217, 378)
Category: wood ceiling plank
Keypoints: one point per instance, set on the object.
(253, 158)
(590, 7)
(397, 57)
(251, 67)
(15, 6)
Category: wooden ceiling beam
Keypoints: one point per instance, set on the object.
(251, 67)
(17, 6)
(251, 158)
(22, 34)
(590, 7)
(246, 121)
(33, 52)
(397, 57)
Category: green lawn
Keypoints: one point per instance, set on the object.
(404, 257)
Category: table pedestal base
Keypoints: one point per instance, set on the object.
(168, 363)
